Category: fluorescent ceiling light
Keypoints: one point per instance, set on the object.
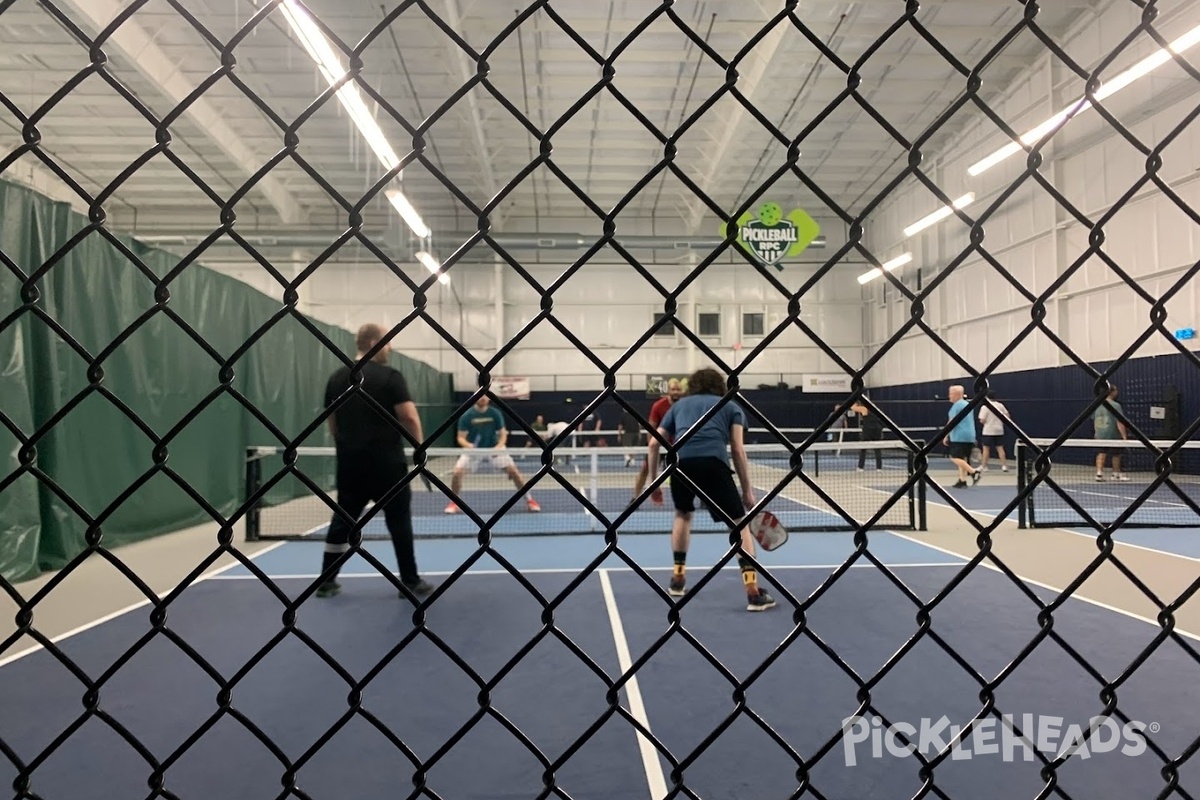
(408, 213)
(939, 215)
(1108, 89)
(433, 266)
(330, 66)
(888, 266)
(322, 52)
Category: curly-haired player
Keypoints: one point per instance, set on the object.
(703, 472)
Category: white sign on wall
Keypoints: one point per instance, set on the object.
(825, 383)
(511, 388)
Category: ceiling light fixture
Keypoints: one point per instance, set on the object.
(408, 213)
(887, 266)
(939, 215)
(433, 266)
(1108, 89)
(331, 68)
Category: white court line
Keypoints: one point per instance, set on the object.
(1149, 500)
(1073, 595)
(1090, 536)
(654, 773)
(566, 571)
(121, 612)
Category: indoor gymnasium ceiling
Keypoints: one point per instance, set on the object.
(543, 72)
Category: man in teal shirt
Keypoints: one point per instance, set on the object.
(1109, 428)
(962, 439)
(483, 434)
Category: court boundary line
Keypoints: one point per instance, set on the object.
(655, 780)
(570, 571)
(1074, 595)
(1073, 532)
(87, 626)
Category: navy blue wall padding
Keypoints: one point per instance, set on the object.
(784, 408)
(1045, 402)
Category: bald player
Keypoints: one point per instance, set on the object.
(657, 412)
(370, 457)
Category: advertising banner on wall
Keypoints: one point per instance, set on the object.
(511, 388)
(825, 383)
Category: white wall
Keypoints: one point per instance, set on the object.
(607, 306)
(977, 311)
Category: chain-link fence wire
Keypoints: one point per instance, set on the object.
(788, 14)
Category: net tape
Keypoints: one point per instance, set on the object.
(787, 15)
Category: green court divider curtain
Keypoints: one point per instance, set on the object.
(20, 520)
(96, 452)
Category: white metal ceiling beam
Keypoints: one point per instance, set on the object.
(466, 71)
(136, 44)
(749, 79)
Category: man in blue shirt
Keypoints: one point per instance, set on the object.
(703, 465)
(483, 434)
(962, 438)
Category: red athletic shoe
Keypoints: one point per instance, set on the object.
(532, 505)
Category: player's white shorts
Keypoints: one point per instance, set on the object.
(472, 459)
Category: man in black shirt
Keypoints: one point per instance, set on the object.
(370, 456)
(870, 430)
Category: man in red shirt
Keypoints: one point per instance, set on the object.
(657, 411)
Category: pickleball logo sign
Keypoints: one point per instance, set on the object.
(770, 237)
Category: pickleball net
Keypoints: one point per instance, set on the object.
(817, 488)
(1159, 481)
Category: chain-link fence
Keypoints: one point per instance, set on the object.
(155, 154)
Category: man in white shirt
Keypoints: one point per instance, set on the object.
(993, 430)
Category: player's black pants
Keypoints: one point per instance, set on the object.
(365, 478)
(870, 436)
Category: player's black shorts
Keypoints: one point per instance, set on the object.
(715, 480)
(961, 450)
(994, 440)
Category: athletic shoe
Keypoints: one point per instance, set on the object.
(677, 587)
(532, 505)
(975, 476)
(421, 588)
(328, 589)
(1099, 478)
(959, 484)
(452, 509)
(760, 602)
(1121, 477)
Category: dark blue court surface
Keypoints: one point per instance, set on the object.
(417, 697)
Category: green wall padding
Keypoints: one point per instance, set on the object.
(96, 453)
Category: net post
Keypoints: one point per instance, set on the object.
(253, 482)
(1021, 484)
(922, 517)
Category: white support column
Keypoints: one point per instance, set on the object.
(498, 310)
(689, 315)
(1060, 303)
